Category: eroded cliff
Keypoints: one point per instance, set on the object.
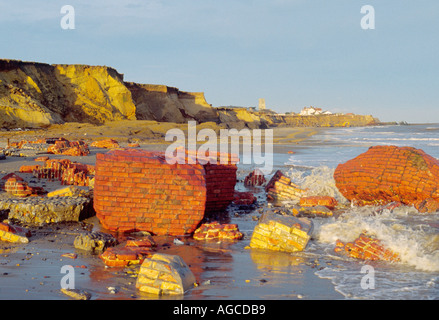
(34, 94)
(37, 94)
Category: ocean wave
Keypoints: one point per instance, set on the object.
(403, 230)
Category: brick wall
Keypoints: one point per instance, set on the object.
(387, 173)
(139, 190)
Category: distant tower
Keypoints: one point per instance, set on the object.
(261, 104)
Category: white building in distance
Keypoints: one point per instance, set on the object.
(311, 111)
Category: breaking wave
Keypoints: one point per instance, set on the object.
(317, 181)
(412, 235)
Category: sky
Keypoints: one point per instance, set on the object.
(292, 53)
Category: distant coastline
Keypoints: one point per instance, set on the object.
(39, 95)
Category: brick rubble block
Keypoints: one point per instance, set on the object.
(138, 190)
(69, 148)
(66, 171)
(313, 201)
(123, 256)
(281, 188)
(310, 211)
(164, 274)
(217, 231)
(386, 174)
(255, 178)
(39, 211)
(105, 143)
(244, 198)
(11, 233)
(94, 242)
(16, 186)
(281, 233)
(366, 248)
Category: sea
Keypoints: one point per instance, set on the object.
(414, 236)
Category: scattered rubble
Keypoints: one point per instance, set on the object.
(105, 143)
(255, 178)
(76, 294)
(164, 274)
(244, 198)
(281, 233)
(66, 171)
(123, 256)
(313, 201)
(281, 188)
(67, 148)
(366, 248)
(38, 211)
(94, 242)
(11, 233)
(16, 186)
(217, 231)
(310, 212)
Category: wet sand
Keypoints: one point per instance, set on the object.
(224, 270)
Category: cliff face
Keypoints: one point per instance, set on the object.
(37, 94)
(163, 103)
(34, 94)
(327, 120)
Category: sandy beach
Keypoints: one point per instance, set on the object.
(224, 270)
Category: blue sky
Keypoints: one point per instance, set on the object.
(293, 53)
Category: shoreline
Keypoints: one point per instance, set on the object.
(32, 271)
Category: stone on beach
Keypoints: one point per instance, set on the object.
(123, 256)
(312, 201)
(310, 212)
(217, 231)
(255, 178)
(164, 274)
(76, 294)
(94, 242)
(366, 247)
(39, 211)
(15, 234)
(73, 148)
(387, 174)
(244, 198)
(105, 143)
(281, 233)
(70, 191)
(281, 188)
(17, 187)
(138, 190)
(66, 171)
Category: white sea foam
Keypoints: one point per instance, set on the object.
(414, 236)
(403, 231)
(318, 182)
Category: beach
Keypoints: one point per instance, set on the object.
(225, 270)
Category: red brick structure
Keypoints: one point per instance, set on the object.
(66, 171)
(387, 174)
(313, 201)
(106, 143)
(139, 190)
(67, 148)
(366, 248)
